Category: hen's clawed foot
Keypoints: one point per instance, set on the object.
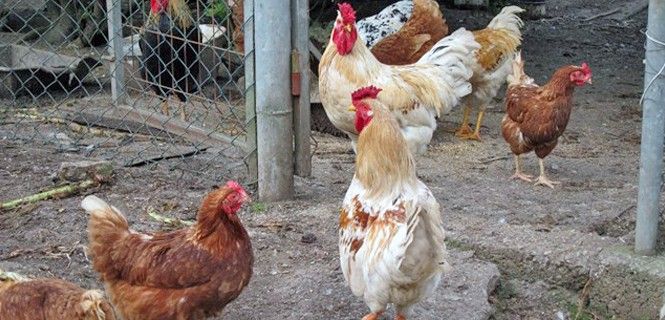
(544, 181)
(522, 176)
(373, 316)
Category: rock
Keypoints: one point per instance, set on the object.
(308, 238)
(81, 170)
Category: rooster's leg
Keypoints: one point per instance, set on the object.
(518, 171)
(373, 316)
(464, 129)
(479, 122)
(542, 179)
(165, 107)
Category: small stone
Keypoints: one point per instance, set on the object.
(82, 170)
(308, 238)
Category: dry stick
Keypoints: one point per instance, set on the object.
(169, 221)
(600, 15)
(62, 191)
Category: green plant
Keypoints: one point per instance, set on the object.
(257, 207)
(218, 9)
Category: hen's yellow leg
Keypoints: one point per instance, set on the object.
(542, 178)
(518, 171)
(464, 129)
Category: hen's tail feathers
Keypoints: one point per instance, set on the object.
(454, 56)
(94, 307)
(508, 19)
(518, 77)
(106, 227)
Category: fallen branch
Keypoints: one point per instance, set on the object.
(600, 15)
(59, 192)
(95, 177)
(174, 222)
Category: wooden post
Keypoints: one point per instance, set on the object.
(114, 9)
(274, 111)
(251, 159)
(653, 124)
(301, 104)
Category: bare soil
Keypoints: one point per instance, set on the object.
(596, 161)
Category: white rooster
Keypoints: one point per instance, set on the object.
(416, 93)
(390, 228)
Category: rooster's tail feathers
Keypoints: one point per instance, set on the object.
(454, 55)
(508, 19)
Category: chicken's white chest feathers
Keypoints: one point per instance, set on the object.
(391, 249)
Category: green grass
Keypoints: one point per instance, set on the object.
(219, 9)
(257, 207)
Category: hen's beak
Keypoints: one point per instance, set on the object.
(352, 108)
(588, 81)
(348, 28)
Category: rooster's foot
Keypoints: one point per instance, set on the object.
(373, 316)
(463, 131)
(544, 181)
(473, 136)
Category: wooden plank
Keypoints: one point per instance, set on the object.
(126, 118)
(184, 130)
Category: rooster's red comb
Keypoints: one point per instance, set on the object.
(365, 92)
(347, 12)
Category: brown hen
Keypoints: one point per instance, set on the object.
(537, 116)
(425, 27)
(49, 299)
(190, 273)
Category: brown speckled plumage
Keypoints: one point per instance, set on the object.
(418, 35)
(537, 116)
(51, 299)
(189, 273)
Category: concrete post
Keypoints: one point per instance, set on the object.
(114, 9)
(653, 126)
(251, 159)
(274, 112)
(301, 103)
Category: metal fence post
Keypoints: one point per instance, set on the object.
(114, 9)
(274, 112)
(653, 126)
(301, 103)
(250, 91)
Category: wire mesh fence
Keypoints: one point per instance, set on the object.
(164, 82)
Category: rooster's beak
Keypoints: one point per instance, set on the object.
(589, 81)
(348, 28)
(352, 108)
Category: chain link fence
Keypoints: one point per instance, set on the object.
(134, 81)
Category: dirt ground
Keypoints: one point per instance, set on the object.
(596, 161)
